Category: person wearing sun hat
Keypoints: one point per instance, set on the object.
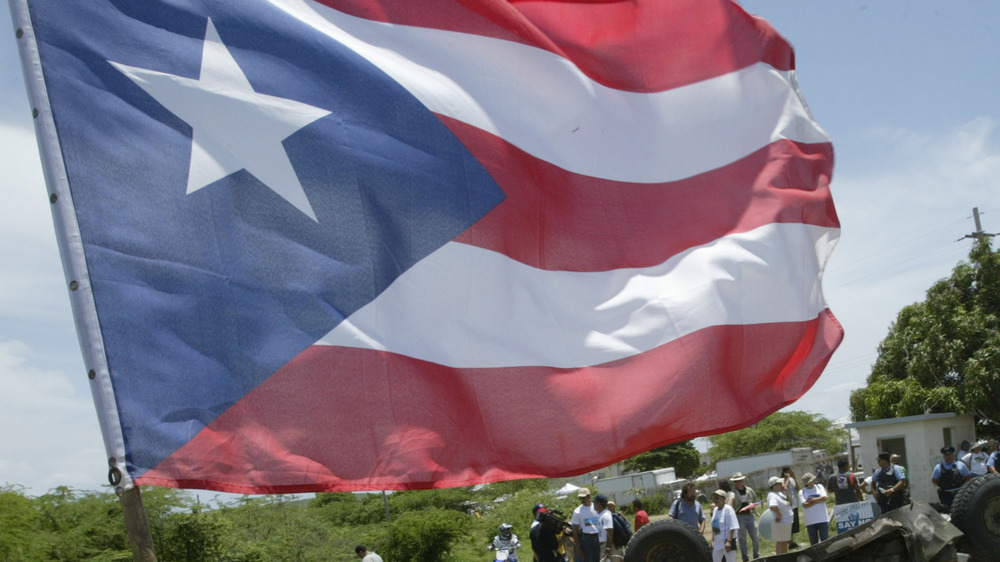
(724, 528)
(585, 523)
(746, 514)
(813, 498)
(975, 459)
(779, 503)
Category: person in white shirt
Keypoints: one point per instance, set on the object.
(778, 502)
(724, 528)
(606, 527)
(813, 499)
(365, 555)
(869, 492)
(585, 529)
(976, 459)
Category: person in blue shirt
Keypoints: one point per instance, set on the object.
(888, 481)
(949, 475)
(687, 508)
(991, 463)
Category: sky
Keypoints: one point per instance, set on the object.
(908, 90)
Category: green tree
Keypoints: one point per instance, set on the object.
(683, 457)
(426, 535)
(942, 354)
(19, 526)
(79, 525)
(779, 432)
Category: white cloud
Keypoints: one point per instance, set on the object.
(901, 232)
(51, 435)
(923, 171)
(31, 282)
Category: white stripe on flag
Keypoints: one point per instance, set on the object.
(464, 306)
(547, 107)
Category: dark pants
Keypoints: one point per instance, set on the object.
(946, 497)
(818, 532)
(890, 503)
(590, 546)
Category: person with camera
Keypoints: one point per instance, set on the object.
(544, 535)
(724, 528)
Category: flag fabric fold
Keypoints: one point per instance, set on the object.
(376, 244)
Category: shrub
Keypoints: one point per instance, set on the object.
(424, 536)
(657, 503)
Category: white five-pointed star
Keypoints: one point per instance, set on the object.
(234, 127)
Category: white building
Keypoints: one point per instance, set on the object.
(759, 468)
(619, 488)
(917, 440)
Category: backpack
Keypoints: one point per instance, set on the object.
(845, 482)
(622, 529)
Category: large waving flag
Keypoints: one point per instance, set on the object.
(387, 244)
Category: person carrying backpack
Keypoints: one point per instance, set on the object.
(687, 508)
(844, 485)
(622, 528)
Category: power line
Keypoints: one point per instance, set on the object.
(926, 256)
(978, 234)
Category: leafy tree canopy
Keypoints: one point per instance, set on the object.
(683, 457)
(942, 354)
(778, 432)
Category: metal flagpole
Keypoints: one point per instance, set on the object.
(78, 281)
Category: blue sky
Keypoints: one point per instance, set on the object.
(908, 90)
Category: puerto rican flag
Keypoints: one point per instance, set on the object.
(359, 244)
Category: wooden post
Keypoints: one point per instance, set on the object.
(140, 539)
(385, 502)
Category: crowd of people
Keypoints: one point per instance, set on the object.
(589, 534)
(733, 517)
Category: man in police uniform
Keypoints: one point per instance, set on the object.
(887, 483)
(949, 475)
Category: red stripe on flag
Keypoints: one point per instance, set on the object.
(401, 423)
(637, 46)
(556, 220)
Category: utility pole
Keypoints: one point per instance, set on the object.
(978, 234)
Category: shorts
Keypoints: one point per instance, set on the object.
(781, 532)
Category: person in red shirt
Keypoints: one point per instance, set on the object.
(641, 517)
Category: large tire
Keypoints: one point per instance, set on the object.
(976, 512)
(668, 540)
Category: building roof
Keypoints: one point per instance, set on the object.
(906, 419)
